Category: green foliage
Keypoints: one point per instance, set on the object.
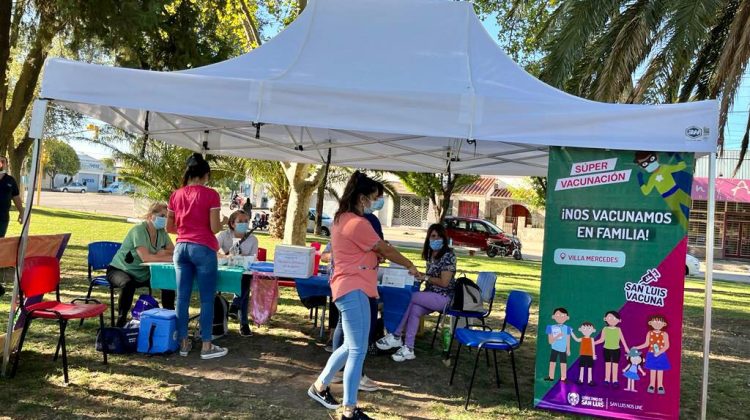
(59, 158)
(521, 23)
(534, 193)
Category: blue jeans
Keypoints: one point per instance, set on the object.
(195, 262)
(355, 315)
(338, 333)
(241, 301)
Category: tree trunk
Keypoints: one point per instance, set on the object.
(278, 215)
(301, 186)
(447, 193)
(295, 230)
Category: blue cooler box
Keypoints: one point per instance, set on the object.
(158, 331)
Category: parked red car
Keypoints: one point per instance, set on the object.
(482, 234)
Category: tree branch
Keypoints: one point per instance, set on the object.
(250, 26)
(27, 81)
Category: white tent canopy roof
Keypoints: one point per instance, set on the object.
(386, 84)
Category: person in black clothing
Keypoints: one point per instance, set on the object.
(8, 192)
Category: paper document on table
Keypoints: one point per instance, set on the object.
(396, 277)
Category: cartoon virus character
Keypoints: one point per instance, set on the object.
(667, 180)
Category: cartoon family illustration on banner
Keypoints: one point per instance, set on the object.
(613, 282)
(656, 344)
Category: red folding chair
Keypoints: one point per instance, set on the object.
(41, 275)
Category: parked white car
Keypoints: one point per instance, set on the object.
(325, 227)
(73, 187)
(118, 188)
(692, 265)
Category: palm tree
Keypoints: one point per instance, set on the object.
(646, 51)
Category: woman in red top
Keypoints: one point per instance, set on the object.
(356, 248)
(195, 215)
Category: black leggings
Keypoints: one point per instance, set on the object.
(127, 292)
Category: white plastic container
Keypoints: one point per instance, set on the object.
(291, 261)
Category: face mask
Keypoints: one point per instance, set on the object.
(160, 222)
(378, 204)
(652, 166)
(436, 244)
(241, 227)
(367, 209)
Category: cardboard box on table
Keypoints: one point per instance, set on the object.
(294, 262)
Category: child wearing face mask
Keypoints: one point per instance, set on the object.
(247, 244)
(440, 282)
(145, 242)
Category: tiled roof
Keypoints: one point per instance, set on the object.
(501, 193)
(480, 187)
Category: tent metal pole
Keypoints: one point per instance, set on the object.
(38, 115)
(709, 279)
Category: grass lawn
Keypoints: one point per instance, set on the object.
(267, 376)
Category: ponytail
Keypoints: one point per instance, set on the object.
(197, 167)
(359, 185)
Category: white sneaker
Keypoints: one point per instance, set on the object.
(388, 342)
(404, 353)
(368, 385)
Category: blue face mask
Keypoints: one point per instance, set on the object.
(160, 222)
(378, 204)
(241, 227)
(436, 244)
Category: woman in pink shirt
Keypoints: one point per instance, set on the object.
(356, 248)
(195, 215)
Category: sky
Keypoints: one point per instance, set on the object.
(736, 123)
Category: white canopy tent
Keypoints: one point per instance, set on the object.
(413, 85)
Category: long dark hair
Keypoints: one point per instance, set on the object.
(197, 167)
(427, 251)
(359, 184)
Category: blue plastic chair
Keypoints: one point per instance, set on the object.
(517, 316)
(100, 256)
(486, 282)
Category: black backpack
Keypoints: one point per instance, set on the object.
(221, 317)
(467, 296)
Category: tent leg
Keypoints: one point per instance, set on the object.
(709, 279)
(38, 115)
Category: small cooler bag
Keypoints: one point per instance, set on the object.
(158, 331)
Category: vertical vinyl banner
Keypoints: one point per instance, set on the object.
(610, 316)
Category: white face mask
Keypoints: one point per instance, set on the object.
(652, 166)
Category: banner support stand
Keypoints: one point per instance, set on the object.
(709, 279)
